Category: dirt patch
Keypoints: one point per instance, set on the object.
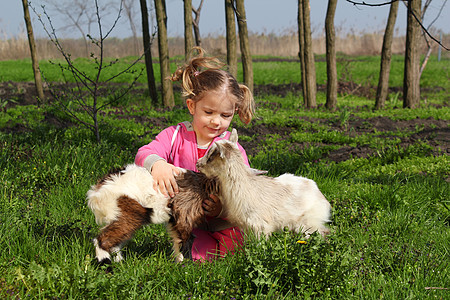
(435, 133)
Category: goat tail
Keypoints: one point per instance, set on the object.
(103, 206)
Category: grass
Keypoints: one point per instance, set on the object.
(362, 70)
(390, 228)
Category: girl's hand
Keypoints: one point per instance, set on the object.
(212, 206)
(164, 178)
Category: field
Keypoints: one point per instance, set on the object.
(386, 174)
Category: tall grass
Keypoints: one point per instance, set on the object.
(356, 43)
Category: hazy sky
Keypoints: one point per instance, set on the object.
(263, 16)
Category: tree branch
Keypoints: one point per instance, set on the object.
(369, 4)
(363, 3)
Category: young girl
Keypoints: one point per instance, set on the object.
(213, 96)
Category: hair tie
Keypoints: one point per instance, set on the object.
(196, 73)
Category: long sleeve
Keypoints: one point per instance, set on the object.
(156, 150)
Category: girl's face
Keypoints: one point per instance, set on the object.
(212, 115)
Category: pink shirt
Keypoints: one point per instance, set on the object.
(182, 151)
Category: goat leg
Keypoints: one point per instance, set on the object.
(112, 237)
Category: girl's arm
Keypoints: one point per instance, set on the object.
(158, 149)
(154, 156)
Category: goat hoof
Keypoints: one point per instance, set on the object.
(105, 264)
(179, 258)
(101, 263)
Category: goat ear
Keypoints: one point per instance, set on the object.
(258, 172)
(233, 136)
(221, 151)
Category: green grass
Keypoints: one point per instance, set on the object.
(390, 229)
(363, 70)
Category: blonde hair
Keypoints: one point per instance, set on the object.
(204, 74)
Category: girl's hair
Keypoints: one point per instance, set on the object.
(204, 74)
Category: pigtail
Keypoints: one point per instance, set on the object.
(190, 74)
(246, 107)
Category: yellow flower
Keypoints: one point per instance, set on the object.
(301, 242)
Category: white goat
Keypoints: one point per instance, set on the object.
(261, 203)
(124, 201)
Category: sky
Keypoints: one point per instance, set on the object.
(263, 16)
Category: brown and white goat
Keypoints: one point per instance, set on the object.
(261, 203)
(125, 201)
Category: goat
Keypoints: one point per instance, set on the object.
(262, 203)
(125, 201)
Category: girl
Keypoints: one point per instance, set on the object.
(213, 96)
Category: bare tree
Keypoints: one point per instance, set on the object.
(82, 96)
(78, 14)
(425, 35)
(34, 58)
(411, 83)
(188, 27)
(163, 46)
(196, 24)
(147, 41)
(130, 13)
(386, 53)
(331, 101)
(301, 48)
(244, 43)
(310, 68)
(231, 38)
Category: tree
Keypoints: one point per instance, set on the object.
(32, 44)
(85, 93)
(411, 83)
(147, 41)
(78, 14)
(188, 26)
(231, 37)
(331, 101)
(301, 48)
(163, 46)
(426, 35)
(244, 43)
(129, 8)
(196, 24)
(386, 53)
(310, 68)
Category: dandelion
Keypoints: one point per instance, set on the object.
(301, 242)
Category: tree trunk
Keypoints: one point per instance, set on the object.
(148, 53)
(386, 53)
(301, 48)
(411, 82)
(245, 46)
(163, 47)
(34, 59)
(310, 68)
(128, 6)
(331, 101)
(188, 33)
(231, 38)
(196, 24)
